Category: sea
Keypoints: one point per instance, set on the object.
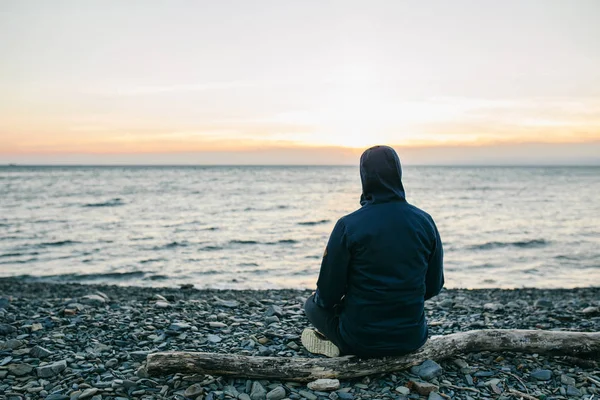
(255, 227)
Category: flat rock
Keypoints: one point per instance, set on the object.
(162, 304)
(307, 395)
(214, 324)
(93, 300)
(12, 344)
(423, 388)
(194, 391)
(324, 385)
(87, 393)
(274, 310)
(573, 391)
(226, 303)
(20, 369)
(50, 370)
(542, 374)
(179, 326)
(567, 380)
(57, 396)
(213, 338)
(39, 352)
(591, 311)
(435, 396)
(428, 370)
(543, 303)
(403, 390)
(6, 329)
(493, 307)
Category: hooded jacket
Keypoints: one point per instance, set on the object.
(381, 263)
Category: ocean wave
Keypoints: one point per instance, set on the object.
(236, 241)
(151, 260)
(110, 203)
(156, 278)
(57, 243)
(85, 277)
(534, 243)
(171, 245)
(312, 223)
(35, 253)
(211, 248)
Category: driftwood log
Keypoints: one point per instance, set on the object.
(576, 344)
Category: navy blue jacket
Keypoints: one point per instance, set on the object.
(381, 263)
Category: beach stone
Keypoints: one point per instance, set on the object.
(307, 395)
(324, 385)
(567, 380)
(258, 392)
(50, 370)
(179, 326)
(435, 396)
(272, 319)
(244, 396)
(93, 300)
(87, 393)
(230, 391)
(226, 303)
(446, 303)
(345, 395)
(57, 396)
(424, 388)
(428, 370)
(4, 302)
(36, 327)
(276, 394)
(214, 324)
(12, 344)
(139, 355)
(6, 329)
(543, 303)
(591, 311)
(573, 391)
(113, 362)
(403, 390)
(213, 338)
(162, 304)
(39, 352)
(493, 307)
(194, 391)
(542, 374)
(274, 310)
(20, 369)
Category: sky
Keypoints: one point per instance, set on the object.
(299, 82)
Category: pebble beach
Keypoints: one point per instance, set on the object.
(62, 341)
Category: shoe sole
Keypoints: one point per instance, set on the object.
(317, 345)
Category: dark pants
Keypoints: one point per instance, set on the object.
(327, 322)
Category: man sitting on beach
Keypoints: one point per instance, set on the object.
(380, 265)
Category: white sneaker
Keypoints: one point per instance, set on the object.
(316, 343)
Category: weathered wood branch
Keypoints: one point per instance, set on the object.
(578, 344)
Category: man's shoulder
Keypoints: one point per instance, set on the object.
(357, 218)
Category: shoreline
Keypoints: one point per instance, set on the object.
(99, 335)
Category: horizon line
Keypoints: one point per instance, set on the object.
(16, 165)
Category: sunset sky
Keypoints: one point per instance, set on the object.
(294, 82)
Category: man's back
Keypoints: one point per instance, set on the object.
(391, 245)
(382, 262)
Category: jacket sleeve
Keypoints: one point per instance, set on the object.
(434, 280)
(331, 286)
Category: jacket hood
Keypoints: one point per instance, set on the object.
(381, 176)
